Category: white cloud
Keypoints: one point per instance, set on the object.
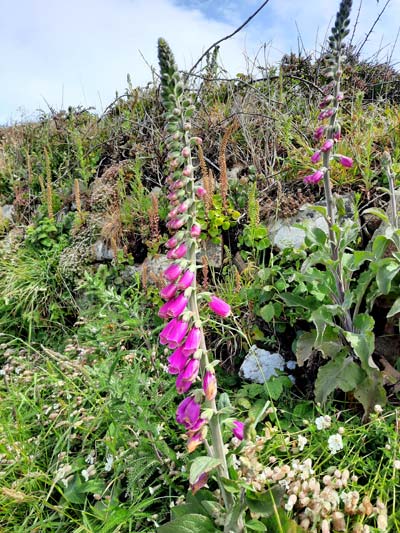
(78, 52)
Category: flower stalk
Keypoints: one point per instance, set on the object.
(190, 360)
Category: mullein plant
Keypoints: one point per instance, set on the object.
(183, 334)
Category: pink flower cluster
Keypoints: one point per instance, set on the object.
(182, 333)
(330, 132)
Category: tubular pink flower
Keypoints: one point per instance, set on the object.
(185, 151)
(314, 178)
(192, 341)
(210, 385)
(337, 136)
(316, 157)
(219, 306)
(187, 171)
(328, 144)
(326, 101)
(174, 333)
(340, 97)
(346, 161)
(168, 291)
(187, 376)
(172, 196)
(199, 483)
(238, 429)
(319, 132)
(200, 192)
(326, 114)
(194, 441)
(195, 230)
(171, 243)
(172, 272)
(173, 213)
(173, 308)
(188, 412)
(186, 280)
(177, 361)
(177, 223)
(184, 206)
(178, 252)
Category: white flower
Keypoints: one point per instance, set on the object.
(301, 442)
(109, 463)
(323, 422)
(335, 443)
(378, 409)
(396, 464)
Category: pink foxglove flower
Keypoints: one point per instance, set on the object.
(328, 144)
(184, 206)
(177, 361)
(314, 178)
(209, 385)
(185, 151)
(316, 157)
(199, 483)
(195, 230)
(326, 114)
(178, 252)
(188, 412)
(238, 429)
(326, 101)
(186, 280)
(187, 171)
(194, 441)
(219, 306)
(171, 243)
(192, 341)
(319, 133)
(172, 272)
(174, 333)
(173, 308)
(346, 161)
(200, 192)
(168, 291)
(187, 376)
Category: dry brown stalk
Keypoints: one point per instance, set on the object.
(223, 176)
(204, 262)
(49, 186)
(77, 194)
(154, 218)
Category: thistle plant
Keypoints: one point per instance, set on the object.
(190, 360)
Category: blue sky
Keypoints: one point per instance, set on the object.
(79, 52)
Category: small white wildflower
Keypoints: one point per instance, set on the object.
(291, 501)
(85, 475)
(396, 464)
(90, 459)
(388, 447)
(109, 463)
(378, 409)
(301, 442)
(335, 443)
(323, 422)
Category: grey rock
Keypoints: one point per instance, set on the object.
(8, 211)
(102, 251)
(284, 234)
(213, 252)
(260, 365)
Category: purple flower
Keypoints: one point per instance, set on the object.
(316, 156)
(326, 114)
(184, 206)
(238, 429)
(187, 171)
(194, 441)
(171, 243)
(195, 230)
(326, 101)
(187, 376)
(319, 132)
(177, 223)
(168, 291)
(210, 385)
(200, 192)
(173, 308)
(346, 161)
(177, 361)
(199, 483)
(186, 280)
(314, 178)
(172, 272)
(178, 252)
(188, 412)
(174, 333)
(192, 341)
(328, 144)
(219, 307)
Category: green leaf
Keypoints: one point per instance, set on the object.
(370, 391)
(294, 300)
(282, 523)
(341, 372)
(265, 503)
(202, 465)
(363, 345)
(304, 346)
(267, 312)
(379, 246)
(255, 525)
(380, 213)
(189, 524)
(387, 270)
(394, 309)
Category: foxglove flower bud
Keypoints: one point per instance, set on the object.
(219, 306)
(195, 230)
(316, 157)
(209, 385)
(173, 308)
(187, 171)
(177, 361)
(319, 132)
(199, 483)
(172, 272)
(346, 161)
(186, 151)
(186, 280)
(192, 341)
(238, 429)
(328, 144)
(200, 192)
(168, 291)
